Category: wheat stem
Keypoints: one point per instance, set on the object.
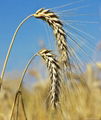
(19, 87)
(25, 70)
(10, 48)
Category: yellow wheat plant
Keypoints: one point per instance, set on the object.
(72, 89)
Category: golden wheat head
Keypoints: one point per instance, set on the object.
(54, 73)
(53, 20)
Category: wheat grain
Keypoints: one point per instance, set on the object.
(54, 73)
(53, 20)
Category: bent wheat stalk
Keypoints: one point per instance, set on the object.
(10, 48)
(53, 20)
(54, 74)
(19, 89)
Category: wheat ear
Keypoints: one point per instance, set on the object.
(54, 74)
(53, 20)
(57, 25)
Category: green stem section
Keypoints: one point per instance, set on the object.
(10, 48)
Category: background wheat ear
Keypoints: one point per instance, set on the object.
(54, 75)
(53, 20)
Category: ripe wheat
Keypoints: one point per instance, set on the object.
(54, 74)
(53, 20)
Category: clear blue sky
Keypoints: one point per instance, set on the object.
(12, 12)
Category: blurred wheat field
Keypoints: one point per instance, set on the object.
(84, 107)
(71, 88)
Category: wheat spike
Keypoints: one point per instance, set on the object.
(53, 20)
(54, 74)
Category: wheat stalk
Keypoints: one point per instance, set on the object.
(53, 20)
(19, 92)
(54, 74)
(10, 48)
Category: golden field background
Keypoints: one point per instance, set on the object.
(82, 105)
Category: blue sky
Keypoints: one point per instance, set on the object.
(12, 12)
